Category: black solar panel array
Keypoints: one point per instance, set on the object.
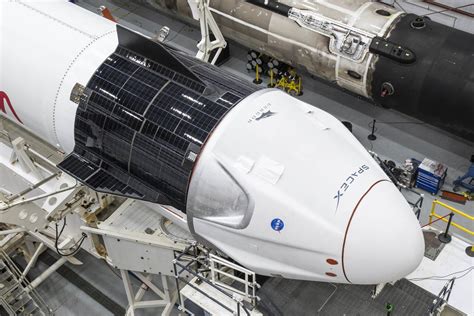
(140, 124)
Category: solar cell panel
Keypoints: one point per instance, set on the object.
(143, 119)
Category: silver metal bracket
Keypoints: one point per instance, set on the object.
(76, 93)
(344, 41)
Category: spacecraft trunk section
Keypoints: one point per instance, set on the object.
(143, 118)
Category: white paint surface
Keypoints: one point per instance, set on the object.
(48, 47)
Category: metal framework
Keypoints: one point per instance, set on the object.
(442, 299)
(212, 287)
(201, 12)
(221, 268)
(135, 300)
(17, 295)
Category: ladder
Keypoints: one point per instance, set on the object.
(15, 296)
(218, 286)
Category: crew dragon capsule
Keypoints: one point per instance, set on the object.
(400, 61)
(278, 185)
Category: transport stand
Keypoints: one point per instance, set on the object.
(167, 297)
(138, 244)
(138, 239)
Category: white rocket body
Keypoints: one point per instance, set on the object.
(45, 48)
(280, 186)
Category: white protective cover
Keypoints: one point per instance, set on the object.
(293, 164)
(39, 66)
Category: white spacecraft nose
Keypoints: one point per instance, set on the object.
(383, 240)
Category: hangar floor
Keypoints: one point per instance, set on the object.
(399, 137)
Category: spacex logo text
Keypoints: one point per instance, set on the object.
(4, 100)
(348, 182)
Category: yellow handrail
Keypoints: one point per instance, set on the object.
(454, 210)
(464, 229)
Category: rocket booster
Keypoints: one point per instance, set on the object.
(400, 61)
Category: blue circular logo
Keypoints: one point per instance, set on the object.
(277, 224)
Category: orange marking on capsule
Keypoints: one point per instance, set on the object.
(332, 262)
(107, 14)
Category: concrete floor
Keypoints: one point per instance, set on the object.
(99, 293)
(399, 137)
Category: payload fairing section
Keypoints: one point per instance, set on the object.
(400, 61)
(277, 184)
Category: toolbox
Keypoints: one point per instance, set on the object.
(431, 176)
